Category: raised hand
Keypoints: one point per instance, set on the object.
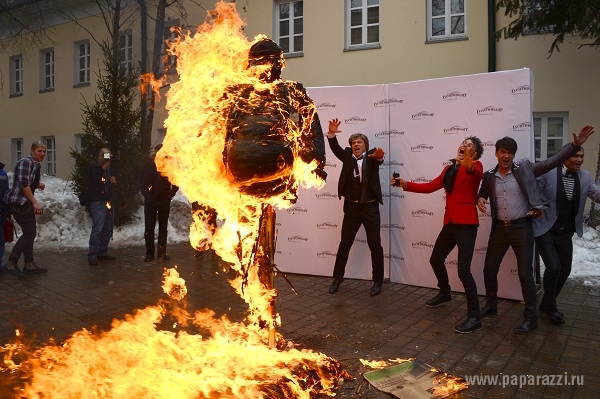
(334, 126)
(582, 136)
(378, 153)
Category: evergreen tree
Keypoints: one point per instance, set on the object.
(113, 121)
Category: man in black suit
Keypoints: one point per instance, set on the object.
(360, 187)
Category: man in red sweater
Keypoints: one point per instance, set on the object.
(460, 178)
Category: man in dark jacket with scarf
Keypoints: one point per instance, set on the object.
(157, 192)
(515, 198)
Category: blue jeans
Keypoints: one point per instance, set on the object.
(102, 228)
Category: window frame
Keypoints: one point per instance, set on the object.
(169, 61)
(16, 152)
(47, 70)
(49, 163)
(16, 76)
(541, 136)
(291, 35)
(448, 15)
(126, 52)
(365, 25)
(78, 56)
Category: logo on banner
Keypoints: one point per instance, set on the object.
(455, 95)
(422, 115)
(393, 195)
(456, 130)
(278, 252)
(480, 250)
(486, 215)
(326, 226)
(296, 209)
(360, 240)
(389, 133)
(326, 195)
(392, 226)
(387, 101)
(453, 264)
(421, 244)
(489, 110)
(522, 127)
(325, 105)
(421, 180)
(489, 144)
(354, 120)
(326, 254)
(446, 163)
(396, 163)
(394, 257)
(421, 148)
(330, 165)
(297, 239)
(514, 272)
(421, 213)
(523, 89)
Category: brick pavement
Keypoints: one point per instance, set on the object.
(347, 326)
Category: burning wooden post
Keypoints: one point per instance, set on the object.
(265, 263)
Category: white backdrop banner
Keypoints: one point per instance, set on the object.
(420, 126)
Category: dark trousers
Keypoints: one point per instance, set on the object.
(156, 209)
(463, 236)
(368, 216)
(519, 237)
(25, 216)
(556, 250)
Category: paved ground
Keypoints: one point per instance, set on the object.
(347, 326)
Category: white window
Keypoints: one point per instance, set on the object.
(446, 19)
(289, 25)
(82, 63)
(49, 166)
(78, 138)
(551, 132)
(47, 70)
(170, 35)
(126, 51)
(16, 149)
(16, 75)
(362, 23)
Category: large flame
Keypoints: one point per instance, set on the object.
(209, 63)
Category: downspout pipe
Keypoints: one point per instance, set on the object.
(491, 35)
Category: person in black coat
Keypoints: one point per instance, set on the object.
(360, 187)
(157, 192)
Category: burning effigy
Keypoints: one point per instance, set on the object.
(242, 142)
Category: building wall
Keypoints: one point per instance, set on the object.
(565, 82)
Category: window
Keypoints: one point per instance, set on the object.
(362, 23)
(82, 63)
(170, 35)
(160, 135)
(126, 51)
(290, 26)
(16, 149)
(550, 132)
(16, 75)
(49, 166)
(446, 19)
(47, 70)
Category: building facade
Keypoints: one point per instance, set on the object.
(327, 43)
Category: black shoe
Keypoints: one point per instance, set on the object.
(32, 268)
(526, 326)
(149, 258)
(164, 256)
(92, 260)
(376, 290)
(106, 257)
(13, 269)
(556, 317)
(469, 325)
(439, 299)
(335, 285)
(488, 311)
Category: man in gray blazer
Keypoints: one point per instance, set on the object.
(566, 187)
